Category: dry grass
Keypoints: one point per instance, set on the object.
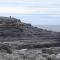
(31, 54)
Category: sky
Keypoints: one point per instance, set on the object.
(36, 12)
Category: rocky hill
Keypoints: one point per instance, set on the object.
(12, 29)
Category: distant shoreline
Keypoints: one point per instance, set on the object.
(55, 28)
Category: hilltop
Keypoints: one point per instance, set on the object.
(13, 30)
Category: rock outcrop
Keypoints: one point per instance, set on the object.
(12, 29)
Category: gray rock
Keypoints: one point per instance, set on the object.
(16, 30)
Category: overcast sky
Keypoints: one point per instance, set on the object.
(36, 12)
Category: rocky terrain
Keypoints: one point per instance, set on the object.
(12, 29)
(21, 41)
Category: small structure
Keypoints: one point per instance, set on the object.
(9, 22)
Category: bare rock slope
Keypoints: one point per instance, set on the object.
(12, 29)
